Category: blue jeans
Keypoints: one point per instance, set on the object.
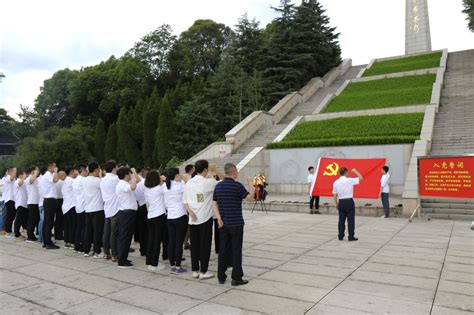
(3, 215)
(40, 224)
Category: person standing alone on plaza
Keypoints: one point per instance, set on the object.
(313, 200)
(385, 190)
(343, 191)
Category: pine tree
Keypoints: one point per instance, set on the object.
(122, 134)
(137, 123)
(150, 123)
(111, 143)
(163, 150)
(99, 141)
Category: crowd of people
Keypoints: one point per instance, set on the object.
(97, 210)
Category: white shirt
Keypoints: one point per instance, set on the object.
(198, 196)
(126, 198)
(311, 178)
(156, 201)
(385, 183)
(32, 190)
(7, 192)
(174, 200)
(139, 193)
(49, 185)
(69, 200)
(344, 187)
(92, 195)
(40, 190)
(21, 195)
(107, 189)
(77, 190)
(59, 186)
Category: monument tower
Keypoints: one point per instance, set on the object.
(417, 27)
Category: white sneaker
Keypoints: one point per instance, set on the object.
(195, 275)
(383, 217)
(157, 268)
(87, 255)
(10, 235)
(206, 275)
(97, 256)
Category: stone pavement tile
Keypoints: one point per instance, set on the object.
(323, 282)
(249, 271)
(262, 302)
(465, 248)
(336, 272)
(461, 253)
(287, 290)
(320, 261)
(401, 254)
(455, 300)
(401, 270)
(42, 255)
(458, 276)
(15, 305)
(413, 249)
(460, 260)
(154, 300)
(125, 275)
(268, 255)
(459, 267)
(423, 245)
(92, 283)
(374, 304)
(395, 279)
(456, 287)
(279, 242)
(11, 280)
(10, 262)
(260, 262)
(339, 255)
(80, 263)
(388, 290)
(201, 290)
(336, 247)
(280, 249)
(329, 309)
(105, 306)
(409, 262)
(53, 295)
(45, 271)
(217, 309)
(440, 310)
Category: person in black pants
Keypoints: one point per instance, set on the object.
(8, 196)
(140, 233)
(227, 205)
(313, 200)
(177, 229)
(48, 180)
(79, 228)
(59, 219)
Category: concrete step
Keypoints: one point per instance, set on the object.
(447, 205)
(446, 216)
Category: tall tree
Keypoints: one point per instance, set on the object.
(6, 121)
(122, 135)
(164, 137)
(111, 143)
(99, 141)
(469, 10)
(137, 123)
(150, 123)
(247, 44)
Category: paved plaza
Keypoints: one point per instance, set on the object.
(294, 262)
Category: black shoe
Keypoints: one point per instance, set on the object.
(239, 282)
(183, 258)
(341, 238)
(51, 246)
(353, 239)
(131, 250)
(186, 246)
(126, 265)
(317, 212)
(221, 281)
(164, 257)
(129, 261)
(311, 212)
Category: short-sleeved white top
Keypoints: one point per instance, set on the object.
(344, 187)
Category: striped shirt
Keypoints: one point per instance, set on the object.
(229, 195)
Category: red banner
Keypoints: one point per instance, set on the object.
(328, 171)
(449, 177)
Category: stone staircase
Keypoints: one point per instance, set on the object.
(268, 133)
(454, 129)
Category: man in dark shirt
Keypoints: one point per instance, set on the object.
(228, 197)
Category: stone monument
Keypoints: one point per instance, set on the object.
(417, 27)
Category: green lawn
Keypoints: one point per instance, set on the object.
(405, 64)
(363, 130)
(393, 92)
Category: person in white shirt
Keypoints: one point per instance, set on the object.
(385, 190)
(50, 178)
(140, 233)
(154, 196)
(343, 191)
(77, 189)
(94, 206)
(127, 205)
(31, 183)
(198, 195)
(188, 174)
(59, 220)
(107, 189)
(21, 199)
(313, 200)
(9, 198)
(67, 207)
(42, 171)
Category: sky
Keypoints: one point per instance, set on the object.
(37, 38)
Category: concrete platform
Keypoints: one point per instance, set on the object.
(294, 262)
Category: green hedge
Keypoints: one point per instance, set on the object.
(405, 64)
(392, 92)
(363, 130)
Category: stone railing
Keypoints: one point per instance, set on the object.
(284, 106)
(345, 65)
(331, 76)
(368, 112)
(309, 89)
(288, 128)
(247, 127)
(216, 150)
(396, 75)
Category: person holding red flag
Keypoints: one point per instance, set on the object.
(343, 191)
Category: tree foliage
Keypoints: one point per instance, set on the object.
(111, 143)
(469, 11)
(99, 141)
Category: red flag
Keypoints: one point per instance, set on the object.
(327, 173)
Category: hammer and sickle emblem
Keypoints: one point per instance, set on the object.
(331, 169)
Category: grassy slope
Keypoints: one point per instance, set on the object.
(405, 64)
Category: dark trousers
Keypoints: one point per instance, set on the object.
(79, 231)
(20, 219)
(59, 221)
(385, 204)
(216, 236)
(49, 211)
(94, 230)
(346, 211)
(230, 250)
(33, 219)
(314, 202)
(164, 240)
(201, 241)
(141, 229)
(176, 233)
(125, 226)
(69, 225)
(11, 213)
(155, 235)
(110, 235)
